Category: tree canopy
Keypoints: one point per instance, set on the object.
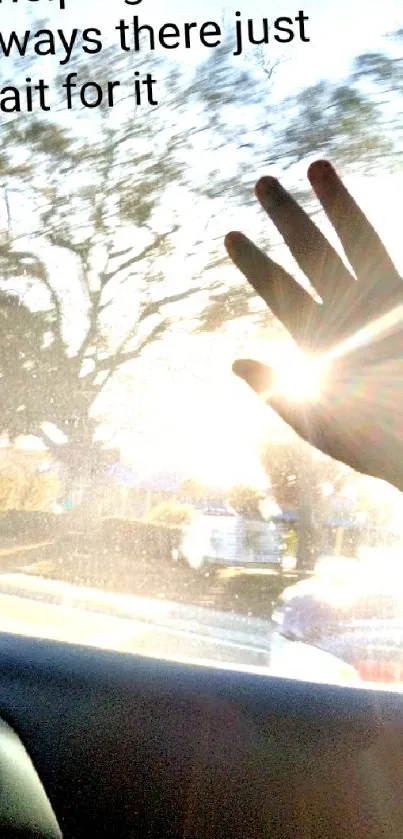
(113, 223)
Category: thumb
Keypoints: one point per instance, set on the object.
(259, 377)
(308, 419)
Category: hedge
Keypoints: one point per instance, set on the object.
(151, 540)
(16, 524)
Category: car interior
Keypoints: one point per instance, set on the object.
(96, 743)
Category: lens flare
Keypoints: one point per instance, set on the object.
(375, 329)
(298, 377)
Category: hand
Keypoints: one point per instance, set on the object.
(356, 331)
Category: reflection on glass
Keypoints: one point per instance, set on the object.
(148, 502)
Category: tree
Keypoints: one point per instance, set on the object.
(105, 206)
(245, 500)
(193, 491)
(117, 239)
(337, 121)
(356, 122)
(306, 482)
(380, 75)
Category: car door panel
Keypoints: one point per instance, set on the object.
(140, 747)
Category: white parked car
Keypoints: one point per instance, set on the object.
(230, 540)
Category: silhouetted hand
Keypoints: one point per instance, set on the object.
(356, 332)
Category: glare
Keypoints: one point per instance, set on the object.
(368, 333)
(298, 377)
(224, 464)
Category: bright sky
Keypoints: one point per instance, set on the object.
(187, 411)
(338, 29)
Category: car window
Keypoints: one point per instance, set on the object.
(149, 502)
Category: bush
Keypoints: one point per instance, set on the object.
(30, 525)
(10, 492)
(31, 491)
(171, 513)
(146, 539)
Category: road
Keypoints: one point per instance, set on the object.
(74, 614)
(54, 610)
(85, 562)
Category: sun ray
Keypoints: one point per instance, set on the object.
(368, 333)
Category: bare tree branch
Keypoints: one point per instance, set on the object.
(120, 358)
(47, 441)
(146, 251)
(25, 261)
(155, 307)
(120, 254)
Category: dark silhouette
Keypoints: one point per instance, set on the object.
(356, 329)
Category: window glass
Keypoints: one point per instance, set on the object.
(149, 501)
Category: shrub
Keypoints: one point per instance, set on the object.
(10, 492)
(29, 524)
(42, 491)
(140, 538)
(171, 513)
(29, 491)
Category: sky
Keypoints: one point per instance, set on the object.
(189, 413)
(338, 29)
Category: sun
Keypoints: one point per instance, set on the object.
(298, 377)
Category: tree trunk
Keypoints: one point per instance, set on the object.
(306, 531)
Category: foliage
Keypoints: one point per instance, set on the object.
(141, 539)
(28, 491)
(169, 512)
(307, 482)
(245, 500)
(193, 490)
(292, 465)
(291, 543)
(112, 200)
(107, 209)
(356, 122)
(320, 490)
(336, 121)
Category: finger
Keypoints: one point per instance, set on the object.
(288, 301)
(309, 247)
(362, 245)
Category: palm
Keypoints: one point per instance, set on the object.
(357, 327)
